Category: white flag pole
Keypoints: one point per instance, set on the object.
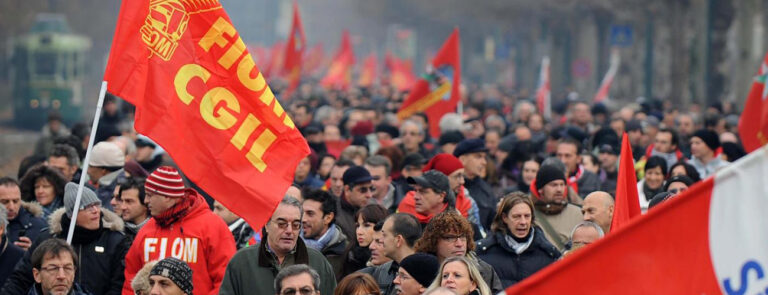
(86, 162)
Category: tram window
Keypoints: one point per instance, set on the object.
(45, 64)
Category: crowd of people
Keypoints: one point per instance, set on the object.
(380, 206)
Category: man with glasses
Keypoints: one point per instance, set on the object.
(253, 270)
(297, 279)
(98, 237)
(183, 227)
(358, 192)
(54, 263)
(416, 273)
(585, 233)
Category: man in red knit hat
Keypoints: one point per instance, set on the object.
(183, 227)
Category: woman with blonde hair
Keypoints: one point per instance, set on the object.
(461, 276)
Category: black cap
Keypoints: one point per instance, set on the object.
(422, 267)
(610, 149)
(679, 178)
(468, 146)
(450, 137)
(356, 175)
(709, 138)
(547, 174)
(433, 179)
(389, 129)
(414, 159)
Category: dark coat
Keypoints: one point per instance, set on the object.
(481, 192)
(9, 256)
(29, 221)
(384, 275)
(512, 267)
(101, 256)
(336, 252)
(345, 216)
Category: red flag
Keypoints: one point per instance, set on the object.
(275, 60)
(627, 205)
(368, 74)
(200, 96)
(753, 124)
(313, 59)
(698, 242)
(294, 51)
(605, 85)
(400, 74)
(544, 92)
(340, 73)
(437, 93)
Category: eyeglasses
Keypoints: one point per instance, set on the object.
(675, 191)
(54, 269)
(281, 224)
(91, 207)
(302, 291)
(363, 189)
(453, 238)
(403, 276)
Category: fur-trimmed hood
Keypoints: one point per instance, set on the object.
(33, 208)
(109, 220)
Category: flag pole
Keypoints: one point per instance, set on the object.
(86, 163)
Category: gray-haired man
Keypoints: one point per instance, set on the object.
(297, 279)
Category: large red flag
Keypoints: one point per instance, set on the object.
(340, 73)
(368, 72)
(753, 124)
(437, 93)
(294, 51)
(544, 92)
(627, 205)
(701, 241)
(200, 96)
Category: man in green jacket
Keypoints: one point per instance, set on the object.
(253, 270)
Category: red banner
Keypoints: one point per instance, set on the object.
(339, 75)
(438, 92)
(294, 52)
(400, 74)
(200, 96)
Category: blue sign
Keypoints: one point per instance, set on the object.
(621, 35)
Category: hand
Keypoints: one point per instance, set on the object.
(23, 243)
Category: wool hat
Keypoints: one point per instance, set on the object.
(356, 175)
(709, 138)
(547, 174)
(609, 149)
(422, 267)
(445, 163)
(165, 181)
(388, 129)
(679, 178)
(468, 146)
(433, 179)
(450, 137)
(70, 194)
(413, 159)
(175, 270)
(107, 154)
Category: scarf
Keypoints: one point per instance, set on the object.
(57, 203)
(649, 192)
(81, 236)
(177, 211)
(573, 180)
(136, 227)
(323, 241)
(520, 245)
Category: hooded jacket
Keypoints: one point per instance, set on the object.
(199, 238)
(512, 267)
(101, 254)
(29, 221)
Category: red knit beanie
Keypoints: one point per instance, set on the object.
(445, 163)
(165, 181)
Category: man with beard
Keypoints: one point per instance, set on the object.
(553, 213)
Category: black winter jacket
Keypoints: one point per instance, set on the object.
(512, 267)
(101, 255)
(29, 222)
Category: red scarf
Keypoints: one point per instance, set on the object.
(408, 205)
(179, 210)
(573, 180)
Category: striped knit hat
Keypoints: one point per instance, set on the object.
(165, 181)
